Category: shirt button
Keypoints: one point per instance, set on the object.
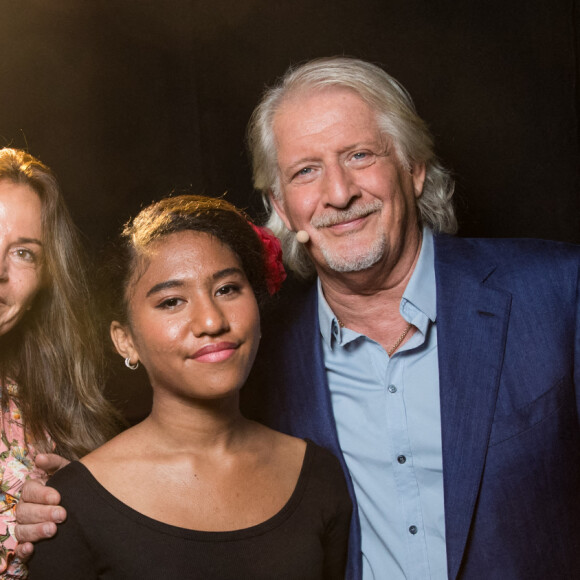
(392, 389)
(413, 529)
(401, 459)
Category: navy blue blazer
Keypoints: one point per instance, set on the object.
(508, 332)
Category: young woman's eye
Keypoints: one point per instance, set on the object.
(227, 289)
(169, 303)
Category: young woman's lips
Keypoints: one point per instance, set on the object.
(216, 352)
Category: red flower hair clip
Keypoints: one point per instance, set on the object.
(275, 273)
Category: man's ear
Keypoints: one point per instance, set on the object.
(278, 205)
(123, 341)
(418, 172)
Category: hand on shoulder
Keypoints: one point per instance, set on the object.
(38, 510)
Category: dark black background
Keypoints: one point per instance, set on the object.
(129, 99)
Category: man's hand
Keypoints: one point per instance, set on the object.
(38, 512)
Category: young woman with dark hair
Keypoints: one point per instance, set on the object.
(196, 490)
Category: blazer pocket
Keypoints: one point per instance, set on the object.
(521, 420)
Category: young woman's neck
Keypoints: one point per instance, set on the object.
(197, 426)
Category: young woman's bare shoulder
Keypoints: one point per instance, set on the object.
(127, 446)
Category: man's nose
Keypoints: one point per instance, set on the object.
(339, 188)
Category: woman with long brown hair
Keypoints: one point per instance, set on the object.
(51, 362)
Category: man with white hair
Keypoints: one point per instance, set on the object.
(443, 372)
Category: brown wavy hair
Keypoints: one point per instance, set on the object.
(54, 353)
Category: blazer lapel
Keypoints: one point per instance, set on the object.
(472, 321)
(305, 406)
(306, 396)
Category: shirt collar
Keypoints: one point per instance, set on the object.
(326, 318)
(420, 291)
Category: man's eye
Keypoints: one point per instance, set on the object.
(361, 159)
(303, 171)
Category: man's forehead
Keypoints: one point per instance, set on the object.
(328, 113)
(296, 99)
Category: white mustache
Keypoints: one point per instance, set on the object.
(334, 217)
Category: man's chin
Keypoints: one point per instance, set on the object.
(353, 261)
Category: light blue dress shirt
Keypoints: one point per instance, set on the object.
(387, 413)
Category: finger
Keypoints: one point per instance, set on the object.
(32, 513)
(34, 532)
(36, 492)
(24, 551)
(50, 462)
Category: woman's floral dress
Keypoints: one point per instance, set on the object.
(16, 466)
